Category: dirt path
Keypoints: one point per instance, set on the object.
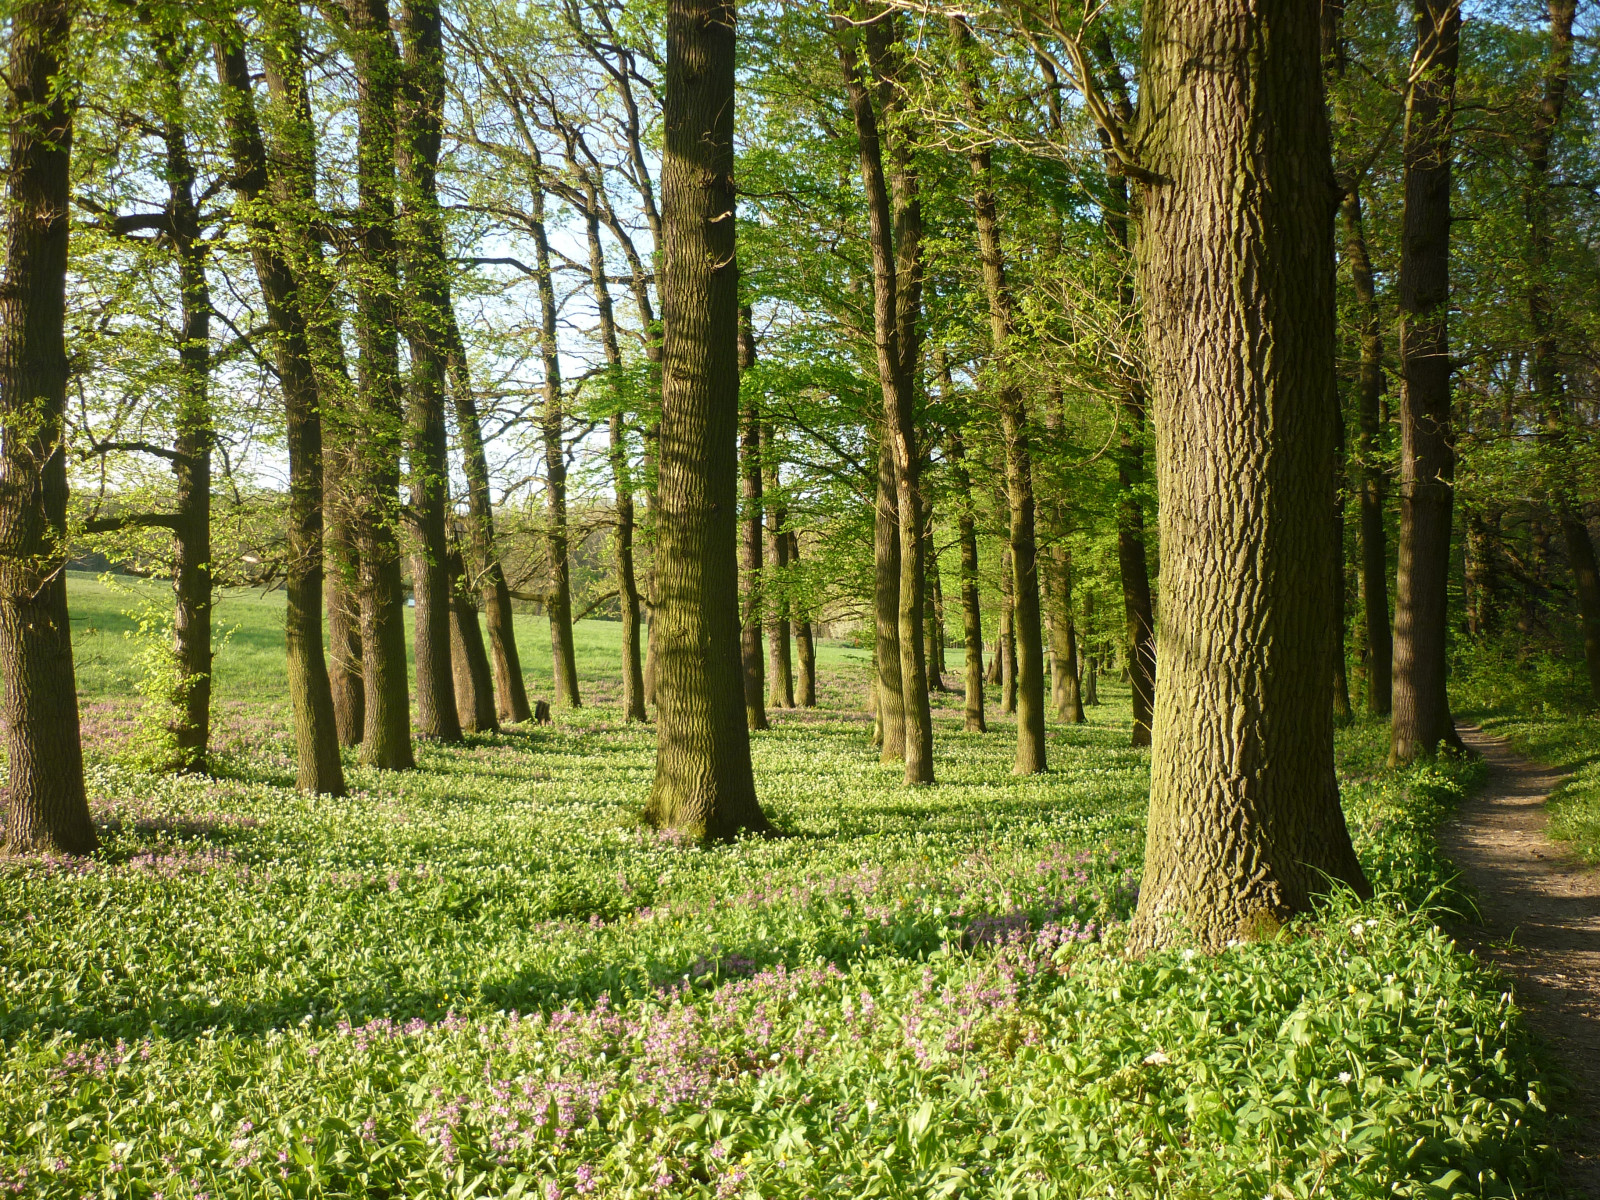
(1541, 913)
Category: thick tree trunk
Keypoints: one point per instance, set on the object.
(553, 427)
(890, 696)
(469, 661)
(374, 483)
(1026, 627)
(805, 648)
(621, 474)
(1237, 276)
(1373, 480)
(511, 691)
(750, 605)
(894, 234)
(703, 784)
(318, 768)
(425, 314)
(1421, 718)
(46, 808)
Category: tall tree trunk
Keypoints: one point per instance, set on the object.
(895, 233)
(1373, 481)
(703, 784)
(621, 474)
(511, 690)
(1026, 628)
(933, 614)
(318, 768)
(425, 314)
(971, 610)
(890, 696)
(469, 661)
(314, 296)
(191, 541)
(553, 427)
(374, 484)
(1005, 649)
(780, 661)
(1421, 718)
(1547, 378)
(1065, 691)
(1342, 713)
(46, 807)
(1236, 271)
(755, 707)
(805, 648)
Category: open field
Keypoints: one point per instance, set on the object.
(485, 978)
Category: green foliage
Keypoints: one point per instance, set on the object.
(483, 978)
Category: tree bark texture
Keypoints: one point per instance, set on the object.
(750, 530)
(46, 807)
(1421, 719)
(1027, 632)
(1237, 277)
(374, 481)
(469, 661)
(890, 696)
(318, 769)
(704, 785)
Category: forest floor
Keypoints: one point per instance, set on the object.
(1540, 908)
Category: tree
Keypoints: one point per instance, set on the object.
(1421, 719)
(318, 769)
(1236, 274)
(46, 808)
(750, 556)
(704, 785)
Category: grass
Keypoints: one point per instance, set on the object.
(485, 979)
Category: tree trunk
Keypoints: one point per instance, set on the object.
(318, 768)
(469, 661)
(755, 707)
(780, 661)
(1478, 574)
(1373, 481)
(971, 610)
(344, 641)
(886, 614)
(894, 234)
(933, 616)
(1029, 645)
(1342, 713)
(1006, 641)
(1421, 718)
(46, 807)
(511, 690)
(621, 474)
(1236, 273)
(553, 425)
(425, 316)
(703, 786)
(805, 648)
(375, 477)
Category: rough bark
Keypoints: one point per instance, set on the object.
(318, 768)
(1030, 757)
(469, 661)
(1236, 272)
(46, 808)
(703, 786)
(750, 527)
(424, 315)
(374, 481)
(510, 689)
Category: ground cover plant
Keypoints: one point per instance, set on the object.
(485, 978)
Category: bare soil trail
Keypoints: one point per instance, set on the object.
(1541, 924)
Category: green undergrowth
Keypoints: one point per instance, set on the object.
(485, 979)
